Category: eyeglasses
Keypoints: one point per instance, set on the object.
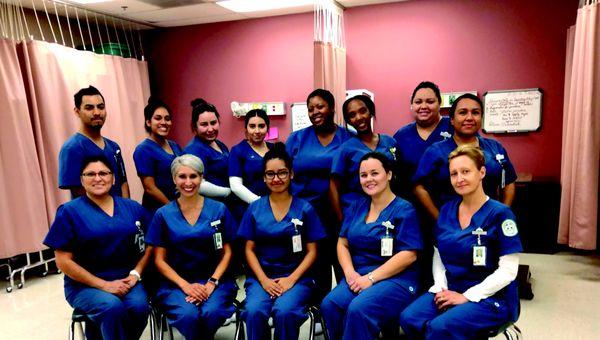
(92, 174)
(281, 174)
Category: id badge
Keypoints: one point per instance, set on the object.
(140, 240)
(297, 243)
(387, 246)
(218, 241)
(479, 255)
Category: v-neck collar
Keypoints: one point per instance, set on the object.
(376, 146)
(368, 202)
(93, 143)
(97, 207)
(252, 149)
(185, 219)
(160, 147)
(284, 216)
(475, 219)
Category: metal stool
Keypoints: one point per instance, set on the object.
(509, 330)
(79, 319)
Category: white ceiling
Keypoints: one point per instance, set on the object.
(169, 13)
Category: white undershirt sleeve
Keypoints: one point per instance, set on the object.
(439, 273)
(213, 190)
(508, 267)
(241, 191)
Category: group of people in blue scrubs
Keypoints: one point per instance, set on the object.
(378, 210)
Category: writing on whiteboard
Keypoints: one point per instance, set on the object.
(512, 111)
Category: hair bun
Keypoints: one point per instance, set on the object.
(198, 102)
(278, 147)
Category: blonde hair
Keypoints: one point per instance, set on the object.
(473, 152)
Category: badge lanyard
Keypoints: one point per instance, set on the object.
(387, 241)
(217, 239)
(139, 237)
(297, 238)
(479, 251)
(500, 159)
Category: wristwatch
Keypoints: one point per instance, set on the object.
(214, 280)
(136, 274)
(370, 277)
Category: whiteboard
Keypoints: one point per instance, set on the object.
(299, 116)
(512, 111)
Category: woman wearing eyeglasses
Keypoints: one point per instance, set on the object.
(98, 241)
(281, 232)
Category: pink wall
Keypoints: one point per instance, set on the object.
(461, 45)
(266, 59)
(465, 45)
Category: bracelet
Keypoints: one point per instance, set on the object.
(370, 277)
(136, 274)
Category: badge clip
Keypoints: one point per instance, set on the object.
(479, 232)
(215, 223)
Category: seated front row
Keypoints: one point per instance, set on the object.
(475, 261)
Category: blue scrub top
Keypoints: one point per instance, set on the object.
(364, 239)
(190, 248)
(456, 247)
(215, 163)
(151, 160)
(411, 146)
(434, 174)
(246, 163)
(108, 247)
(273, 240)
(346, 164)
(312, 162)
(78, 147)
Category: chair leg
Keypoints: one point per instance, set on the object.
(152, 325)
(311, 317)
(72, 331)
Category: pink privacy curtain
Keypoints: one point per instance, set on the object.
(329, 52)
(23, 221)
(581, 133)
(330, 72)
(54, 73)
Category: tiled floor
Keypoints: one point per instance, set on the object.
(566, 303)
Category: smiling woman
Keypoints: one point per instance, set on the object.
(98, 240)
(154, 155)
(377, 246)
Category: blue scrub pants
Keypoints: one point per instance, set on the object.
(362, 316)
(116, 317)
(471, 320)
(198, 322)
(288, 310)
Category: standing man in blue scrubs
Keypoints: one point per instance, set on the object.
(88, 141)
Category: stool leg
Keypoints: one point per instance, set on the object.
(72, 331)
(152, 325)
(311, 332)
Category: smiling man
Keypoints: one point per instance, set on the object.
(88, 141)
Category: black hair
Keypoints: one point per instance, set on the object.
(427, 85)
(465, 96)
(323, 94)
(86, 91)
(153, 104)
(363, 98)
(200, 106)
(93, 159)
(385, 162)
(256, 113)
(278, 152)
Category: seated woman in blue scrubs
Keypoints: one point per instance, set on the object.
(245, 160)
(312, 150)
(98, 241)
(154, 155)
(414, 138)
(213, 153)
(281, 232)
(475, 261)
(432, 184)
(344, 184)
(377, 249)
(192, 237)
